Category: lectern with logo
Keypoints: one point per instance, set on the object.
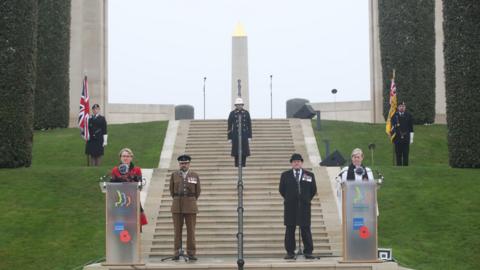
(122, 223)
(360, 221)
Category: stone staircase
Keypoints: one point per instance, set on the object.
(273, 143)
(271, 148)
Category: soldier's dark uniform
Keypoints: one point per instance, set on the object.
(297, 206)
(402, 124)
(97, 127)
(233, 120)
(185, 190)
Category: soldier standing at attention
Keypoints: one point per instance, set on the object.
(97, 127)
(297, 187)
(233, 121)
(402, 124)
(185, 190)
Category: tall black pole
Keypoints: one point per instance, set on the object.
(240, 261)
(204, 79)
(239, 88)
(271, 97)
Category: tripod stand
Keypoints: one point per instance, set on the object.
(300, 250)
(181, 254)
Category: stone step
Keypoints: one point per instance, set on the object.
(247, 253)
(226, 149)
(208, 222)
(213, 193)
(256, 136)
(232, 169)
(208, 209)
(231, 238)
(252, 155)
(223, 197)
(247, 203)
(228, 188)
(256, 262)
(233, 215)
(229, 162)
(271, 181)
(215, 141)
(223, 130)
(248, 247)
(216, 233)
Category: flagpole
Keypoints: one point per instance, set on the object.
(393, 144)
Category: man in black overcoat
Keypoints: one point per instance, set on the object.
(402, 123)
(232, 130)
(97, 127)
(297, 187)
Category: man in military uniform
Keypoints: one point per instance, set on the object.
(297, 187)
(185, 190)
(97, 127)
(233, 121)
(402, 123)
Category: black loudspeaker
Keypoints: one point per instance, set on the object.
(294, 105)
(334, 159)
(305, 112)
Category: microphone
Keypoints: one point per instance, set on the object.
(123, 168)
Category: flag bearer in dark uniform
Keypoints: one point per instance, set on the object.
(232, 130)
(297, 187)
(97, 127)
(402, 124)
(185, 190)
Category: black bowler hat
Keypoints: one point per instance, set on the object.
(184, 158)
(296, 157)
(95, 106)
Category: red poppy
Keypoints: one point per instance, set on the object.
(364, 232)
(125, 236)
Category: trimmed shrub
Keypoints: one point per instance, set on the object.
(53, 51)
(462, 80)
(18, 20)
(407, 44)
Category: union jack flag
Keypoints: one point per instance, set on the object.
(84, 114)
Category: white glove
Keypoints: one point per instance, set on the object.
(249, 139)
(411, 137)
(229, 141)
(105, 139)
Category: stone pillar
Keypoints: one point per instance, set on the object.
(440, 95)
(240, 65)
(88, 54)
(376, 83)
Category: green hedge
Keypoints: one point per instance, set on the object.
(18, 21)
(53, 49)
(407, 44)
(462, 68)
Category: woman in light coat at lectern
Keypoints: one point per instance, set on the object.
(356, 171)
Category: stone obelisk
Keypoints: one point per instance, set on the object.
(240, 65)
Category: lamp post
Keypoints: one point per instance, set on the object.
(271, 97)
(204, 79)
(334, 92)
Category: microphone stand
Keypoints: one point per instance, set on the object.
(240, 260)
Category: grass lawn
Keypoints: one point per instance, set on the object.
(53, 212)
(429, 212)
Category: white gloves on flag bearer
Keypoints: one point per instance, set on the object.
(105, 138)
(411, 137)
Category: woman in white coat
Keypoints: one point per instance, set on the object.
(356, 171)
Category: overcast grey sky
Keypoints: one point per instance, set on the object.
(159, 52)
